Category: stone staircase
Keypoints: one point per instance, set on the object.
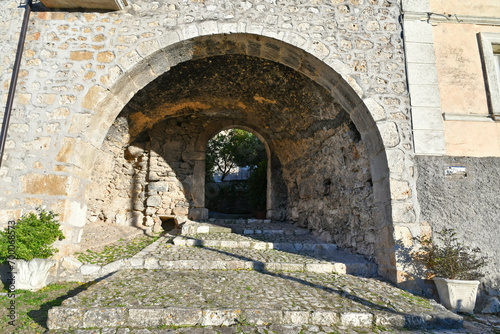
(247, 275)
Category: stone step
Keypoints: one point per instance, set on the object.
(246, 227)
(166, 253)
(204, 228)
(163, 255)
(247, 234)
(162, 298)
(154, 263)
(197, 240)
(258, 259)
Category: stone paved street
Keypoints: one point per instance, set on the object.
(483, 325)
(184, 289)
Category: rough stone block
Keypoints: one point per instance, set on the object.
(89, 269)
(390, 320)
(292, 266)
(325, 268)
(352, 319)
(203, 229)
(105, 57)
(209, 28)
(112, 267)
(296, 317)
(158, 186)
(99, 318)
(491, 306)
(151, 263)
(198, 213)
(154, 201)
(400, 189)
(229, 244)
(324, 318)
(284, 246)
(70, 263)
(64, 318)
(137, 262)
(183, 316)
(147, 317)
(221, 317)
(262, 317)
(53, 185)
(389, 132)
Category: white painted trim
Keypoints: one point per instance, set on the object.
(467, 117)
(451, 18)
(486, 40)
(425, 99)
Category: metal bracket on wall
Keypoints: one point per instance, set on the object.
(87, 4)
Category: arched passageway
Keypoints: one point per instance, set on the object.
(322, 141)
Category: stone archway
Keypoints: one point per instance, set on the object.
(109, 103)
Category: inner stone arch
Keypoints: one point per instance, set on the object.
(321, 170)
(269, 201)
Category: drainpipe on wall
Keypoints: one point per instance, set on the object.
(13, 82)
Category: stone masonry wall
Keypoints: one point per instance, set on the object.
(11, 17)
(133, 182)
(330, 189)
(80, 70)
(114, 179)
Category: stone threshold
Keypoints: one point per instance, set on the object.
(209, 229)
(81, 318)
(258, 245)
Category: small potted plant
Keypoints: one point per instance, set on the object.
(26, 247)
(455, 269)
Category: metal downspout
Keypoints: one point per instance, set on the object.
(13, 82)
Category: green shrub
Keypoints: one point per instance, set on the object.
(34, 236)
(449, 258)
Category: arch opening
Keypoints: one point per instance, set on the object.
(237, 181)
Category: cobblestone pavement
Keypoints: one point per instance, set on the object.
(248, 289)
(482, 325)
(249, 301)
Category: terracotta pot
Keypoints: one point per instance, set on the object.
(457, 295)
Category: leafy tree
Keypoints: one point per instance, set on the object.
(230, 149)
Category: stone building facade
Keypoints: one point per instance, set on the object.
(451, 50)
(114, 109)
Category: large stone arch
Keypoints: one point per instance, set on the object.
(334, 76)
